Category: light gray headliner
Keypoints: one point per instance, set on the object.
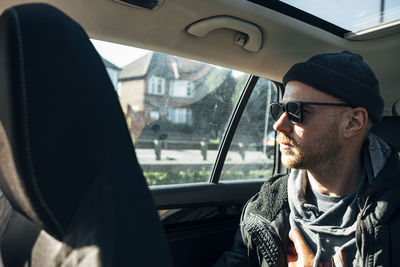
(286, 40)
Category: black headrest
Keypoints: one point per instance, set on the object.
(388, 129)
(59, 115)
(62, 131)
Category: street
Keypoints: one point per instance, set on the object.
(193, 160)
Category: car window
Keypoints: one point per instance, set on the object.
(177, 111)
(251, 154)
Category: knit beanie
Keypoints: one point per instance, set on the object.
(343, 75)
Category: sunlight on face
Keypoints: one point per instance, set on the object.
(307, 154)
(317, 140)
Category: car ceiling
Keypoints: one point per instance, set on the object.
(285, 39)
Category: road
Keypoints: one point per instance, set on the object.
(192, 159)
(193, 156)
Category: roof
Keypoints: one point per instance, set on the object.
(137, 68)
(108, 64)
(168, 66)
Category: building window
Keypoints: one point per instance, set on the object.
(181, 88)
(154, 115)
(180, 116)
(156, 86)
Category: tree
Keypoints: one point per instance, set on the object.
(212, 112)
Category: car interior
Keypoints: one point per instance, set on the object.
(81, 187)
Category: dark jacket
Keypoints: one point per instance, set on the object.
(263, 236)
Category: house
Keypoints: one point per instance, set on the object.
(169, 90)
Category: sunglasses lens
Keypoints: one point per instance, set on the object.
(293, 110)
(276, 111)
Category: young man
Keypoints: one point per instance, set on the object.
(339, 206)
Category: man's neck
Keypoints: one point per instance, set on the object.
(338, 177)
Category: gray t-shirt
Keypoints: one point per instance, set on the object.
(322, 202)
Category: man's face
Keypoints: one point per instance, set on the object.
(317, 139)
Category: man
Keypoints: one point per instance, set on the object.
(339, 206)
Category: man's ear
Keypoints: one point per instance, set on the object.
(356, 122)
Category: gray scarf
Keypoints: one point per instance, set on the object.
(333, 231)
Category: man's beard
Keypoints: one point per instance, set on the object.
(323, 150)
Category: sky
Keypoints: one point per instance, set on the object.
(119, 55)
(122, 55)
(352, 15)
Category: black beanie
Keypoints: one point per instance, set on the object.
(343, 75)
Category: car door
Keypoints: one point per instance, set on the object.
(201, 218)
(205, 142)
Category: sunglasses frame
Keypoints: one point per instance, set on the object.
(300, 105)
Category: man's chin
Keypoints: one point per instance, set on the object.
(290, 161)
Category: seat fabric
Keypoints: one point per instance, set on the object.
(388, 129)
(67, 162)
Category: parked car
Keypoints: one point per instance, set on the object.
(194, 80)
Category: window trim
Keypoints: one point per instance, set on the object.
(279, 168)
(231, 129)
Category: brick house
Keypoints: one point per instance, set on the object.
(171, 90)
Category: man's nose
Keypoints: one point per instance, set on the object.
(283, 124)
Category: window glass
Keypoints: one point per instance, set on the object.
(352, 15)
(251, 154)
(156, 86)
(181, 88)
(176, 109)
(180, 116)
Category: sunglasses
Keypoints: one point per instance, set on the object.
(294, 110)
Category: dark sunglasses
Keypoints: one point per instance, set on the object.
(294, 109)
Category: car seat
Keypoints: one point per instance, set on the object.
(388, 130)
(67, 164)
